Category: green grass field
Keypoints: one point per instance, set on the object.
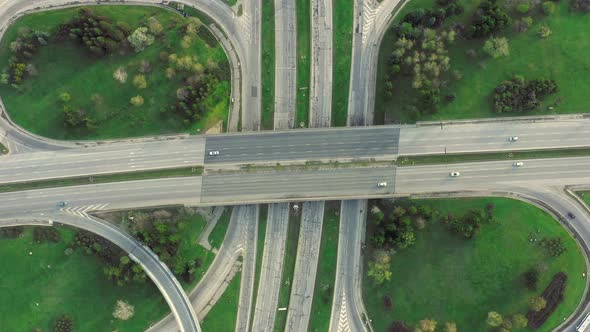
(268, 65)
(288, 270)
(559, 57)
(68, 67)
(448, 278)
(77, 286)
(222, 316)
(303, 60)
(326, 275)
(342, 54)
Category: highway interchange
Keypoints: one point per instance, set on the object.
(539, 181)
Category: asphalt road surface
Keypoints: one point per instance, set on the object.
(124, 157)
(291, 186)
(249, 216)
(320, 90)
(286, 63)
(347, 303)
(271, 270)
(304, 276)
(303, 145)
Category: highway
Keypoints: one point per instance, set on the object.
(320, 90)
(271, 269)
(285, 64)
(304, 276)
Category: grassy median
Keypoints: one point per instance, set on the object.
(288, 269)
(267, 93)
(103, 178)
(303, 60)
(321, 309)
(491, 156)
(224, 313)
(343, 11)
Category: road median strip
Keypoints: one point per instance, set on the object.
(454, 158)
(103, 178)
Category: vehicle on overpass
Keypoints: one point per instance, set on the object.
(455, 174)
(584, 325)
(518, 164)
(513, 138)
(382, 184)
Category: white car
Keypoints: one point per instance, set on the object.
(513, 138)
(382, 184)
(455, 174)
(518, 164)
(214, 153)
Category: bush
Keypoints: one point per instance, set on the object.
(494, 319)
(140, 82)
(531, 278)
(580, 5)
(154, 25)
(387, 302)
(120, 75)
(399, 326)
(523, 24)
(548, 7)
(553, 246)
(544, 31)
(96, 33)
(123, 310)
(46, 234)
(63, 323)
(553, 296)
(523, 8)
(537, 303)
(496, 47)
(137, 101)
(140, 39)
(488, 19)
(11, 232)
(468, 225)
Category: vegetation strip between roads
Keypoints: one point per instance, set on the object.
(342, 58)
(303, 60)
(490, 156)
(267, 74)
(103, 178)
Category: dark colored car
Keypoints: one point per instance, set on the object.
(571, 215)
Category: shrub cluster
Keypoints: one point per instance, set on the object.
(488, 19)
(397, 229)
(11, 232)
(46, 234)
(98, 33)
(553, 246)
(553, 294)
(516, 95)
(190, 97)
(63, 323)
(469, 224)
(581, 5)
(26, 44)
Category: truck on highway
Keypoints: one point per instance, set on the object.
(584, 325)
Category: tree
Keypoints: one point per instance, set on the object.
(379, 272)
(519, 321)
(63, 323)
(120, 75)
(531, 278)
(427, 325)
(494, 319)
(581, 5)
(123, 310)
(523, 24)
(139, 81)
(154, 25)
(496, 47)
(399, 326)
(65, 97)
(137, 101)
(523, 8)
(548, 7)
(140, 39)
(537, 303)
(488, 19)
(544, 31)
(450, 327)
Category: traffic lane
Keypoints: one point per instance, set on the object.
(117, 194)
(493, 136)
(490, 175)
(289, 185)
(306, 144)
(80, 162)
